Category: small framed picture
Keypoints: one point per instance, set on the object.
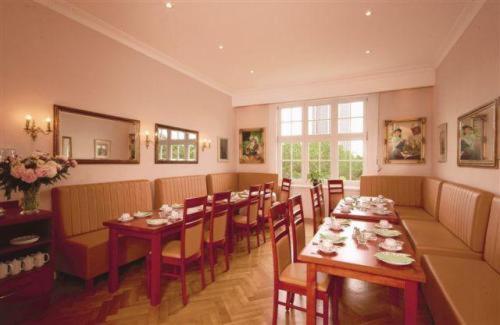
(67, 147)
(222, 149)
(102, 149)
(443, 142)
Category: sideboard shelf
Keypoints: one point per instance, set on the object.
(5, 250)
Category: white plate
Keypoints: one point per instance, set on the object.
(387, 232)
(142, 214)
(389, 226)
(125, 220)
(394, 258)
(24, 240)
(177, 206)
(336, 239)
(391, 249)
(325, 250)
(156, 222)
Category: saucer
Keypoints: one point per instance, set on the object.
(327, 250)
(389, 226)
(389, 248)
(156, 222)
(125, 219)
(386, 232)
(142, 214)
(23, 240)
(394, 258)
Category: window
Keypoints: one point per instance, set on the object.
(350, 159)
(318, 119)
(175, 145)
(291, 121)
(325, 139)
(319, 159)
(291, 160)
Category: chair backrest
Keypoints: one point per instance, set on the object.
(218, 216)
(193, 226)
(267, 199)
(296, 216)
(316, 207)
(284, 195)
(253, 203)
(321, 197)
(280, 238)
(335, 193)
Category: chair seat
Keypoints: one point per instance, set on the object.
(296, 273)
(172, 249)
(412, 213)
(242, 220)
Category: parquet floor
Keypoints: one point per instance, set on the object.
(241, 296)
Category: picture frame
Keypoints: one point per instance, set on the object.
(102, 149)
(67, 147)
(222, 149)
(252, 146)
(405, 141)
(477, 137)
(443, 142)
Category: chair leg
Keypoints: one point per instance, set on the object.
(248, 240)
(289, 296)
(185, 296)
(211, 249)
(226, 254)
(202, 268)
(325, 310)
(263, 229)
(148, 276)
(257, 234)
(275, 306)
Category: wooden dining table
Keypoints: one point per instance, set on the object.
(358, 262)
(138, 228)
(366, 214)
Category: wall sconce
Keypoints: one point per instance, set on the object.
(148, 139)
(205, 144)
(33, 130)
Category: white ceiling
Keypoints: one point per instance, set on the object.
(287, 43)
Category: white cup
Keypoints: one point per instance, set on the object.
(336, 225)
(345, 209)
(15, 267)
(4, 270)
(125, 216)
(384, 223)
(28, 263)
(327, 244)
(40, 258)
(390, 242)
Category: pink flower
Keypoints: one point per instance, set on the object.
(73, 163)
(47, 170)
(29, 176)
(17, 170)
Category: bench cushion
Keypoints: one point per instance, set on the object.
(461, 291)
(430, 237)
(465, 212)
(411, 213)
(404, 190)
(492, 244)
(176, 189)
(223, 182)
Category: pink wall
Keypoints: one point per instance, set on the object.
(401, 105)
(48, 59)
(468, 77)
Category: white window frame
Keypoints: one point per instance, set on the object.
(334, 137)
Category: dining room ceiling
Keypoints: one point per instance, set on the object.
(244, 45)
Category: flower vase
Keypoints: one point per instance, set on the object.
(29, 202)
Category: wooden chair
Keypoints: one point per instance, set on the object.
(266, 201)
(215, 235)
(335, 193)
(249, 220)
(321, 196)
(290, 276)
(317, 211)
(190, 248)
(286, 184)
(297, 225)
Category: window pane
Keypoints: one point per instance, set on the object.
(192, 152)
(344, 126)
(344, 150)
(286, 129)
(314, 151)
(296, 169)
(313, 167)
(357, 125)
(356, 170)
(296, 151)
(174, 155)
(297, 114)
(324, 167)
(344, 170)
(182, 152)
(286, 152)
(192, 136)
(286, 114)
(357, 109)
(357, 149)
(344, 110)
(285, 169)
(296, 128)
(325, 150)
(323, 127)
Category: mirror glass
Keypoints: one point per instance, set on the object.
(175, 145)
(95, 138)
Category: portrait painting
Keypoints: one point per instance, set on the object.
(223, 149)
(477, 137)
(102, 149)
(405, 141)
(443, 142)
(252, 147)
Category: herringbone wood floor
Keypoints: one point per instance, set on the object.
(241, 296)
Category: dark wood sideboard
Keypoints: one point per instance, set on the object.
(25, 295)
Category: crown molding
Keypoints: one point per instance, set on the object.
(409, 77)
(72, 12)
(464, 19)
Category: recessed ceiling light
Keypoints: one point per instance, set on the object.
(252, 72)
(368, 52)
(368, 13)
(169, 5)
(221, 47)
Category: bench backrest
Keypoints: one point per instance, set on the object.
(83, 208)
(465, 212)
(431, 193)
(492, 244)
(404, 190)
(176, 189)
(245, 180)
(223, 182)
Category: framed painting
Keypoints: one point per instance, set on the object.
(252, 146)
(222, 149)
(477, 137)
(443, 142)
(102, 149)
(405, 141)
(67, 147)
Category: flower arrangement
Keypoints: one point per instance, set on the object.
(29, 174)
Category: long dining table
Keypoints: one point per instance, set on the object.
(358, 262)
(139, 228)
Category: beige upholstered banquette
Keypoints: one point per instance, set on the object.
(176, 189)
(81, 237)
(238, 181)
(466, 291)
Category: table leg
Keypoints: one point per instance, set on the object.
(411, 302)
(311, 294)
(113, 283)
(155, 269)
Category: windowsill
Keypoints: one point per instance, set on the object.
(349, 188)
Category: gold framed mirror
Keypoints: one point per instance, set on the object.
(175, 145)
